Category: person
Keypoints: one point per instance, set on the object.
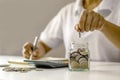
(100, 27)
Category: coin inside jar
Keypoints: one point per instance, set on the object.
(79, 59)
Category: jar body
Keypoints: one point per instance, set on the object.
(79, 57)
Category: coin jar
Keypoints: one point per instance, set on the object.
(79, 56)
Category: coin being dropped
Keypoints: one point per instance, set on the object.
(79, 35)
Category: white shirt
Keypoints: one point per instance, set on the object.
(61, 29)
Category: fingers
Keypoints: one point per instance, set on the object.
(97, 19)
(28, 46)
(37, 54)
(28, 50)
(101, 23)
(95, 22)
(77, 28)
(26, 53)
(83, 21)
(90, 21)
(80, 26)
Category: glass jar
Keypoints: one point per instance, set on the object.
(79, 56)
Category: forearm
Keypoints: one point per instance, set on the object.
(112, 32)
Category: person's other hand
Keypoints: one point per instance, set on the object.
(28, 50)
(90, 21)
(91, 4)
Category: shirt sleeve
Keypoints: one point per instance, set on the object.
(53, 33)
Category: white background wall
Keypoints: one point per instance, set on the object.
(22, 20)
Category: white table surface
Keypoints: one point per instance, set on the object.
(98, 71)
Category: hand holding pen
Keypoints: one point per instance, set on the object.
(34, 47)
(33, 51)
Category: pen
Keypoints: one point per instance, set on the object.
(18, 62)
(34, 47)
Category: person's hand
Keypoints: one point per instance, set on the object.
(28, 50)
(90, 21)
